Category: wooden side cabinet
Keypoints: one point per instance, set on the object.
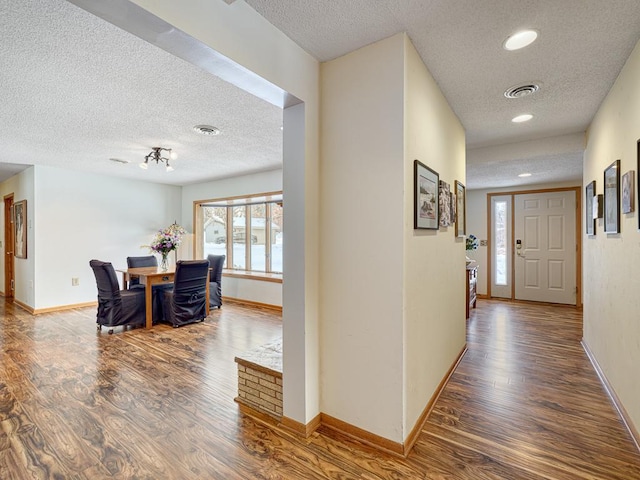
(472, 279)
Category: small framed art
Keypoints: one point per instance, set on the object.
(590, 220)
(453, 208)
(598, 202)
(461, 209)
(638, 160)
(628, 185)
(20, 228)
(425, 197)
(445, 204)
(612, 198)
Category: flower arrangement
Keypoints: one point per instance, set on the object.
(472, 242)
(167, 240)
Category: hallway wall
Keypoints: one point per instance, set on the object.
(611, 300)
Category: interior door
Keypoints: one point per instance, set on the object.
(9, 239)
(545, 247)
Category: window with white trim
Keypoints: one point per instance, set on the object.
(248, 230)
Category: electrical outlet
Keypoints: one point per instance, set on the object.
(483, 243)
(75, 281)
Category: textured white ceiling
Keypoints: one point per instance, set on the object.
(548, 160)
(77, 91)
(582, 47)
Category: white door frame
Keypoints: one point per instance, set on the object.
(578, 194)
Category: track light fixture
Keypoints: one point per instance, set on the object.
(156, 154)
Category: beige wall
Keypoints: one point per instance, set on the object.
(611, 300)
(434, 265)
(393, 297)
(361, 237)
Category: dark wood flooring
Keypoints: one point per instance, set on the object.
(524, 403)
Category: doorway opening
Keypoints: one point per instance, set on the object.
(9, 245)
(535, 245)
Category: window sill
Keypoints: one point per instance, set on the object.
(261, 276)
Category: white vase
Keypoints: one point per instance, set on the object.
(470, 258)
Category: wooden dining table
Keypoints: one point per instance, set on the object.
(150, 276)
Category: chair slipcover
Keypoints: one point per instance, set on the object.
(135, 262)
(186, 302)
(116, 307)
(215, 280)
(156, 292)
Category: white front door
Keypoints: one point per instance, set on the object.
(545, 247)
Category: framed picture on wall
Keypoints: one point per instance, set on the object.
(445, 204)
(628, 185)
(590, 218)
(425, 197)
(20, 228)
(452, 202)
(597, 206)
(638, 162)
(612, 198)
(461, 209)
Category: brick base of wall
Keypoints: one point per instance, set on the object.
(260, 380)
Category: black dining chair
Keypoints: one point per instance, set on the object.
(116, 307)
(186, 302)
(215, 280)
(136, 262)
(134, 283)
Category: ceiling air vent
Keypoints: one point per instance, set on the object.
(522, 90)
(207, 130)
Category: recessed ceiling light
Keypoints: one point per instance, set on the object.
(206, 130)
(118, 160)
(522, 118)
(520, 40)
(522, 175)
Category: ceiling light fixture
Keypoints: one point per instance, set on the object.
(520, 40)
(156, 154)
(522, 118)
(523, 175)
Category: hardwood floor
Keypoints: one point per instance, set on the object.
(524, 403)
